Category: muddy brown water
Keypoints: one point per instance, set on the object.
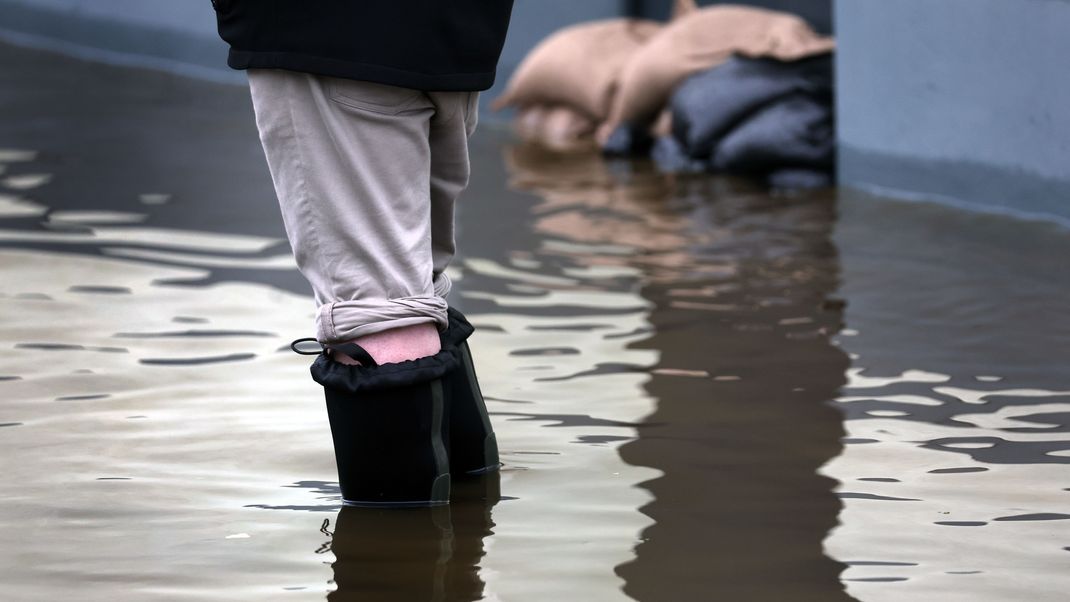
(702, 390)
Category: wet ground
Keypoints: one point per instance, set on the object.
(702, 391)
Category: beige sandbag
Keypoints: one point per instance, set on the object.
(555, 127)
(698, 41)
(577, 66)
(662, 125)
(527, 124)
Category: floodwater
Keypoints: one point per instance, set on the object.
(702, 391)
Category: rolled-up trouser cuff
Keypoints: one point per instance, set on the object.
(342, 321)
(347, 320)
(442, 284)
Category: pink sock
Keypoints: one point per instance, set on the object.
(397, 344)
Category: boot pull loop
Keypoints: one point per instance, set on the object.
(294, 346)
(356, 352)
(351, 349)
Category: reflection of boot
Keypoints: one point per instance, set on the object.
(470, 508)
(473, 448)
(415, 554)
(395, 555)
(388, 426)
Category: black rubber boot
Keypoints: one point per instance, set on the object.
(473, 448)
(388, 423)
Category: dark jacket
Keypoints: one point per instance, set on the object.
(422, 44)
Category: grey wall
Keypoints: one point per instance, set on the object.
(960, 100)
(173, 34)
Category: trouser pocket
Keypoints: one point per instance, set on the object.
(374, 97)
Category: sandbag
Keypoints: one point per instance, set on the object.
(670, 156)
(796, 131)
(698, 41)
(709, 104)
(799, 178)
(578, 66)
(629, 140)
(555, 127)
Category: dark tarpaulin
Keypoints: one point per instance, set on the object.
(760, 117)
(710, 104)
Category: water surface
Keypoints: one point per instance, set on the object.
(702, 389)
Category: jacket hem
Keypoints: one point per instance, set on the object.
(451, 82)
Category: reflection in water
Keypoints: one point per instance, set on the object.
(416, 554)
(655, 352)
(958, 398)
(739, 287)
(390, 555)
(213, 437)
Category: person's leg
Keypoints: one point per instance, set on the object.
(454, 122)
(397, 344)
(473, 446)
(351, 165)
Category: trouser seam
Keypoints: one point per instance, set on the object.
(303, 197)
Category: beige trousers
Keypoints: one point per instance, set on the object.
(366, 176)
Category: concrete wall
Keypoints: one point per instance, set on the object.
(178, 35)
(966, 101)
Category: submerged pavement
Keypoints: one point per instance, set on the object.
(701, 390)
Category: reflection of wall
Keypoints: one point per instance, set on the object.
(738, 284)
(965, 99)
(740, 512)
